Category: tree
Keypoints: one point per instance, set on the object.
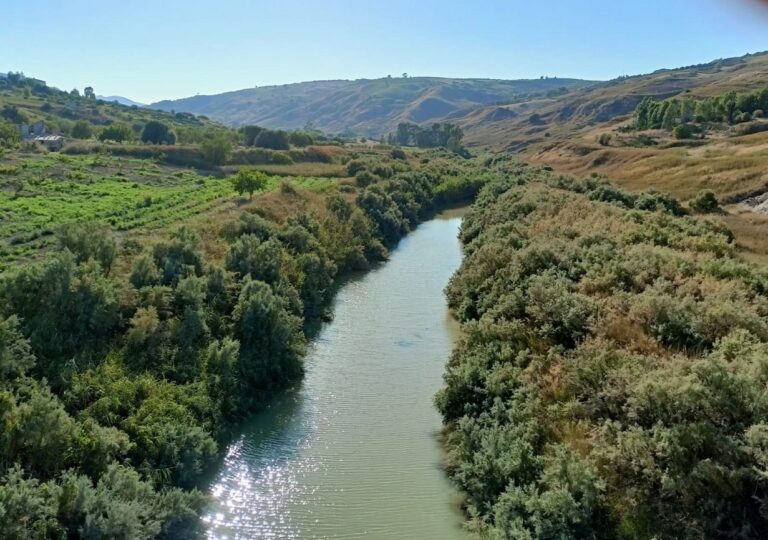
(275, 140)
(117, 132)
(9, 135)
(301, 138)
(89, 240)
(155, 132)
(250, 133)
(89, 93)
(249, 181)
(82, 130)
(271, 339)
(216, 150)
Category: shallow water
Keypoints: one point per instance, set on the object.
(353, 452)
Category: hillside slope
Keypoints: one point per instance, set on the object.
(365, 107)
(539, 121)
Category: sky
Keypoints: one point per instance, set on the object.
(150, 50)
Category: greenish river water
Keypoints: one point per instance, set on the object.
(354, 452)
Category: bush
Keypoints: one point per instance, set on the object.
(216, 150)
(683, 131)
(354, 167)
(365, 178)
(301, 138)
(117, 132)
(705, 202)
(398, 153)
(275, 140)
(82, 130)
(155, 132)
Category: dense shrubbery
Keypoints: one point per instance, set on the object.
(611, 381)
(438, 135)
(117, 390)
(731, 108)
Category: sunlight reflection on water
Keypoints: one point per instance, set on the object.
(353, 452)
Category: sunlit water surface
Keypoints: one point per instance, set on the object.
(354, 451)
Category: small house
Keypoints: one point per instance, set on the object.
(53, 143)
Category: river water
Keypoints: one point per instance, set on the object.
(354, 452)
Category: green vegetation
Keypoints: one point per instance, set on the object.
(611, 378)
(248, 181)
(730, 108)
(124, 368)
(436, 136)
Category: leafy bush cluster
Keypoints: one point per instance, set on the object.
(731, 108)
(611, 379)
(445, 135)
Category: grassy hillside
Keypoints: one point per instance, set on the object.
(365, 107)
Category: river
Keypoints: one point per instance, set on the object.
(353, 451)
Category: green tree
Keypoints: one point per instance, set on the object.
(216, 150)
(116, 132)
(89, 93)
(82, 130)
(301, 138)
(249, 181)
(271, 339)
(89, 240)
(9, 135)
(250, 133)
(273, 139)
(155, 132)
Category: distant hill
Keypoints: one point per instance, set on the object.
(28, 100)
(122, 101)
(368, 107)
(541, 121)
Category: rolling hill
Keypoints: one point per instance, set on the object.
(540, 121)
(369, 107)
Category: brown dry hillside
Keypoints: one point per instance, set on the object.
(369, 107)
(540, 121)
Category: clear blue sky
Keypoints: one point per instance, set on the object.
(150, 50)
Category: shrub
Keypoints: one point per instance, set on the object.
(355, 166)
(365, 178)
(683, 131)
(216, 150)
(117, 132)
(705, 202)
(275, 140)
(301, 138)
(398, 153)
(82, 130)
(155, 132)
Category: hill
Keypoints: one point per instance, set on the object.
(369, 107)
(541, 120)
(121, 100)
(27, 100)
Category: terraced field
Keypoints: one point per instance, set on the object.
(39, 193)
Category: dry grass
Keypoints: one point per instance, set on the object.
(325, 170)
